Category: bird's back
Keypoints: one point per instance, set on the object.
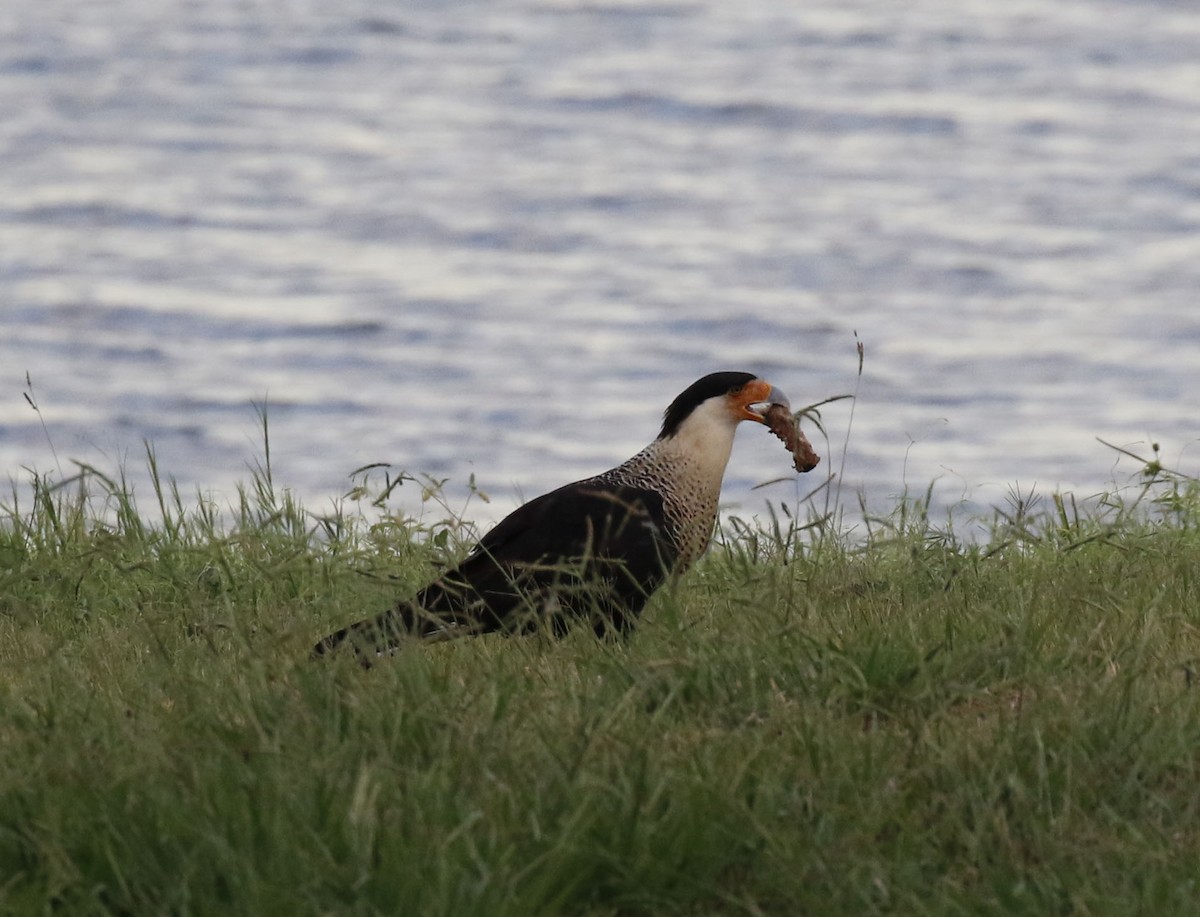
(584, 551)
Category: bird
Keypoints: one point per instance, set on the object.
(594, 550)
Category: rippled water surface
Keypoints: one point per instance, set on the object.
(497, 238)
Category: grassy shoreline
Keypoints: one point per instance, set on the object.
(807, 724)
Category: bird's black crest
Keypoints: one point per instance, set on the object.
(701, 390)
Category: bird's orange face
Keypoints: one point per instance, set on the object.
(750, 402)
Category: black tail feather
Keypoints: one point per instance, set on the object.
(368, 639)
(374, 637)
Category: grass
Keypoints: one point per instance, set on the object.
(898, 722)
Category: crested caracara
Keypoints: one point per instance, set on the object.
(593, 550)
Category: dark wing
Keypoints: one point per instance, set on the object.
(584, 547)
(582, 550)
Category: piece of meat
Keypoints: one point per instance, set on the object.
(783, 424)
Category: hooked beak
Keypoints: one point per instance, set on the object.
(763, 395)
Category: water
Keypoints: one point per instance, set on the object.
(496, 238)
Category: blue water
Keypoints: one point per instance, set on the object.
(496, 238)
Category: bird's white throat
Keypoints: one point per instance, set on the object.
(703, 442)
